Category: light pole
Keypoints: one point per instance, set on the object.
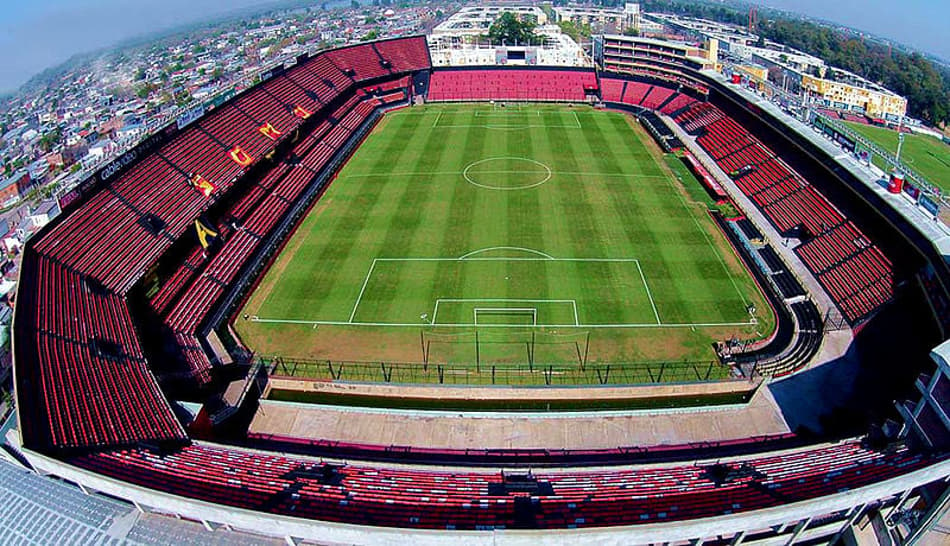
(900, 142)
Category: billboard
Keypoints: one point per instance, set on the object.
(929, 204)
(189, 116)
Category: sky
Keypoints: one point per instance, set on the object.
(922, 24)
(38, 34)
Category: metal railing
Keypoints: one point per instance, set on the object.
(537, 374)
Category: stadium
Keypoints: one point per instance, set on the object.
(370, 300)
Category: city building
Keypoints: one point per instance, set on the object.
(794, 71)
(630, 53)
(602, 19)
(473, 21)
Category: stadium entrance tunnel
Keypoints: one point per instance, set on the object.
(507, 173)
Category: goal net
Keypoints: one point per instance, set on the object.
(509, 337)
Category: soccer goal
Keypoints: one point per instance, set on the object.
(514, 345)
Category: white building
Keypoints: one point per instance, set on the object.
(473, 21)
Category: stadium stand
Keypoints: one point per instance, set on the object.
(856, 274)
(612, 89)
(282, 186)
(88, 394)
(537, 458)
(86, 378)
(404, 55)
(87, 374)
(360, 62)
(39, 510)
(398, 497)
(677, 103)
(509, 84)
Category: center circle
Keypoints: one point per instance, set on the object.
(506, 173)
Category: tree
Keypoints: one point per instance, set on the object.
(354, 4)
(50, 139)
(509, 29)
(577, 32)
(371, 35)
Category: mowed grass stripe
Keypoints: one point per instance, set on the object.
(311, 284)
(607, 142)
(379, 215)
(629, 212)
(702, 285)
(523, 215)
(401, 231)
(460, 220)
(585, 239)
(618, 200)
(654, 212)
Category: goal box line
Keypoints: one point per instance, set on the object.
(532, 311)
(516, 301)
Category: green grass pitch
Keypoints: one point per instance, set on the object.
(562, 219)
(925, 154)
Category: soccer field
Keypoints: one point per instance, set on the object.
(456, 218)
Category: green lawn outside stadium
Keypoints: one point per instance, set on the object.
(925, 154)
(557, 220)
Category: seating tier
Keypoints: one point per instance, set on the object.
(856, 274)
(510, 84)
(421, 498)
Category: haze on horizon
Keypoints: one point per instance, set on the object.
(41, 34)
(44, 33)
(921, 24)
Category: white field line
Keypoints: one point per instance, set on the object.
(362, 289)
(577, 119)
(449, 173)
(467, 325)
(715, 251)
(500, 259)
(507, 127)
(507, 311)
(439, 301)
(468, 258)
(437, 118)
(647, 287)
(521, 249)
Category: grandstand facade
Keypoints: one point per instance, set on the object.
(123, 307)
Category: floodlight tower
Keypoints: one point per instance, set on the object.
(900, 141)
(896, 184)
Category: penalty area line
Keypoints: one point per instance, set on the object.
(647, 287)
(362, 289)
